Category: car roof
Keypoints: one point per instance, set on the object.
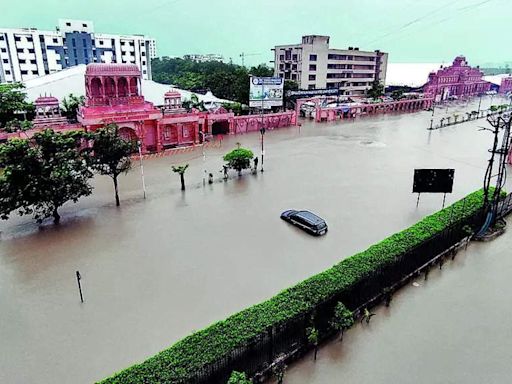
(311, 217)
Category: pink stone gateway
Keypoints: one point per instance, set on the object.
(113, 96)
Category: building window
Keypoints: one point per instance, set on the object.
(4, 50)
(24, 72)
(281, 66)
(143, 54)
(312, 57)
(144, 72)
(84, 43)
(29, 39)
(55, 40)
(46, 71)
(294, 67)
(312, 77)
(76, 62)
(294, 76)
(32, 61)
(6, 61)
(68, 24)
(312, 67)
(294, 57)
(31, 50)
(311, 86)
(73, 43)
(281, 57)
(17, 38)
(143, 63)
(84, 25)
(1, 37)
(19, 50)
(7, 72)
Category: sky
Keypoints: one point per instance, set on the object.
(409, 30)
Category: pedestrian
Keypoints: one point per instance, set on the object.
(256, 163)
(210, 178)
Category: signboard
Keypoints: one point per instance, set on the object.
(312, 92)
(266, 92)
(433, 180)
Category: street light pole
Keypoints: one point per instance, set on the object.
(262, 129)
(204, 157)
(141, 168)
(479, 104)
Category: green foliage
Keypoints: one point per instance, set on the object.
(70, 106)
(41, 175)
(239, 159)
(180, 169)
(397, 94)
(183, 359)
(227, 81)
(238, 378)
(312, 335)
(13, 104)
(16, 125)
(343, 318)
(111, 154)
(493, 108)
(237, 108)
(376, 91)
(194, 102)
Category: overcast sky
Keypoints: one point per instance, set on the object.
(410, 30)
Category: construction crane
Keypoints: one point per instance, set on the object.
(244, 55)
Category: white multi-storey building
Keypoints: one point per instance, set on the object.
(26, 53)
(204, 58)
(313, 65)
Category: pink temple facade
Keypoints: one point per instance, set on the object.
(459, 80)
(506, 85)
(113, 96)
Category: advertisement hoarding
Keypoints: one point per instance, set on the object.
(266, 92)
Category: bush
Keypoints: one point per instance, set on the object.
(186, 357)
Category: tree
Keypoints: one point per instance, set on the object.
(376, 91)
(13, 104)
(180, 169)
(312, 334)
(70, 106)
(16, 125)
(397, 94)
(238, 378)
(111, 154)
(342, 319)
(42, 174)
(239, 159)
(367, 316)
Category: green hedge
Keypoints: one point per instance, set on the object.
(187, 356)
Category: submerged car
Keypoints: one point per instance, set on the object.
(306, 220)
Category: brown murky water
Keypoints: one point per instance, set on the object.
(155, 270)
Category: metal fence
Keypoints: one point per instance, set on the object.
(290, 338)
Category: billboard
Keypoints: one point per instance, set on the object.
(266, 92)
(433, 180)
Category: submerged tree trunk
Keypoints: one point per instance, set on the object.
(116, 189)
(182, 176)
(56, 216)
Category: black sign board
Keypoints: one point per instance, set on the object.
(433, 180)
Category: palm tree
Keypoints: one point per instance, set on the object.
(180, 169)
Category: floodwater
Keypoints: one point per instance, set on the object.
(156, 269)
(452, 328)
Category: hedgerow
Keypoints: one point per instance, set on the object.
(183, 359)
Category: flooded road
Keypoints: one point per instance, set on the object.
(155, 270)
(452, 328)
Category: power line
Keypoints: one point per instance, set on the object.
(429, 14)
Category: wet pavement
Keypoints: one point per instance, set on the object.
(156, 269)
